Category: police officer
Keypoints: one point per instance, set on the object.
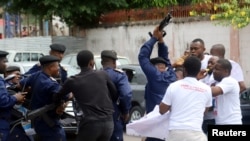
(7, 101)
(123, 105)
(12, 76)
(43, 87)
(158, 71)
(58, 51)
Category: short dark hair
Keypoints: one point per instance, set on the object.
(192, 66)
(84, 57)
(225, 64)
(199, 40)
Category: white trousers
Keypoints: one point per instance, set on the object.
(186, 135)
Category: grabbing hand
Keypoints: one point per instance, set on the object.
(20, 97)
(158, 34)
(125, 117)
(60, 109)
(202, 74)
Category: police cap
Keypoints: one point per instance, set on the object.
(3, 53)
(48, 59)
(109, 53)
(12, 68)
(58, 47)
(158, 60)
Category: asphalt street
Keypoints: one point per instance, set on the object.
(126, 138)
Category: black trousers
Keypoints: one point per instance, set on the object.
(95, 130)
(206, 123)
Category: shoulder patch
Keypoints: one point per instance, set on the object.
(52, 78)
(119, 70)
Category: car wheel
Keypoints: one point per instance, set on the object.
(136, 113)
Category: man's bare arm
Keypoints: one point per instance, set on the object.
(164, 108)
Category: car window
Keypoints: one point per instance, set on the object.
(26, 57)
(17, 58)
(131, 74)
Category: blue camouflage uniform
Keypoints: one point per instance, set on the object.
(43, 88)
(123, 105)
(158, 81)
(6, 104)
(37, 67)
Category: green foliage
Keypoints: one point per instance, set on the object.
(81, 13)
(231, 12)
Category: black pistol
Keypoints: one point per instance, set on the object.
(164, 23)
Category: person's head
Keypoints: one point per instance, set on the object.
(186, 52)
(159, 63)
(179, 73)
(218, 50)
(211, 63)
(85, 59)
(197, 48)
(3, 61)
(57, 50)
(191, 66)
(222, 69)
(50, 65)
(13, 72)
(24, 28)
(109, 58)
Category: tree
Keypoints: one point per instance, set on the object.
(227, 12)
(81, 13)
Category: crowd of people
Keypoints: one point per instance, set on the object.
(197, 90)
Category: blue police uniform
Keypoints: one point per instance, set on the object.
(43, 88)
(63, 73)
(6, 104)
(17, 133)
(157, 81)
(124, 102)
(37, 67)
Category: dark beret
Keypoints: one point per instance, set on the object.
(109, 53)
(12, 68)
(158, 60)
(3, 53)
(48, 59)
(58, 47)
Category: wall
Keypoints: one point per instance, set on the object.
(28, 43)
(127, 40)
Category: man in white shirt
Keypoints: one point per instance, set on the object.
(186, 100)
(226, 91)
(197, 48)
(209, 117)
(236, 73)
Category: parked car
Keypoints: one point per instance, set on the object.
(245, 106)
(25, 66)
(24, 56)
(71, 60)
(137, 81)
